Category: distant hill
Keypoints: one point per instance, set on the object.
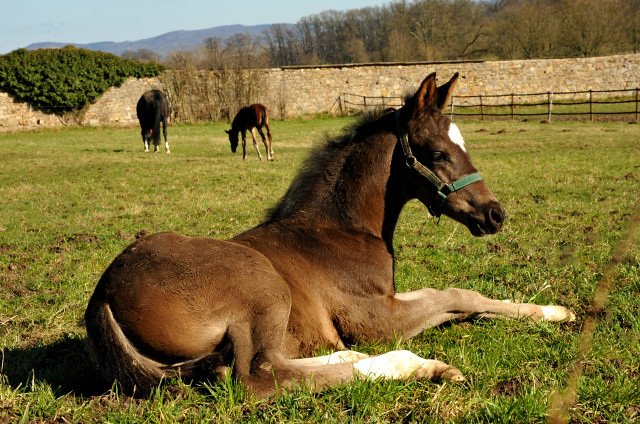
(165, 43)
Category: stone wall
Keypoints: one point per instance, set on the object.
(321, 89)
(295, 91)
(117, 106)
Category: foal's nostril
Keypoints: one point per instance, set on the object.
(496, 215)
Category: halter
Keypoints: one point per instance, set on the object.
(443, 189)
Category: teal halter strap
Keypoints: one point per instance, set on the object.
(443, 189)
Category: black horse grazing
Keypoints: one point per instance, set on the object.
(152, 109)
(250, 118)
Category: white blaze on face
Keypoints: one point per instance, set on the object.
(456, 137)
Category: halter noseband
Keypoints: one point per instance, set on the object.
(443, 189)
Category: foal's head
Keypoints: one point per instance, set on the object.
(233, 139)
(448, 182)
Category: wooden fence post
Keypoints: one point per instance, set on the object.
(549, 104)
(481, 109)
(364, 100)
(452, 107)
(512, 106)
(591, 105)
(637, 110)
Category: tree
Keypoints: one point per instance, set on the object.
(213, 54)
(524, 29)
(141, 55)
(587, 25)
(630, 25)
(244, 51)
(448, 29)
(283, 45)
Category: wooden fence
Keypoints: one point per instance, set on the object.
(592, 103)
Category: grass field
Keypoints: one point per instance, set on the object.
(71, 200)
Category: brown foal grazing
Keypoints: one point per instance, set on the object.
(251, 118)
(318, 272)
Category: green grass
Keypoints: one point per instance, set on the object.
(71, 200)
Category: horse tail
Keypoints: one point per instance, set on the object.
(265, 116)
(116, 356)
(157, 119)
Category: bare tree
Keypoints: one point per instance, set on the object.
(448, 29)
(401, 47)
(213, 55)
(283, 45)
(587, 26)
(524, 29)
(630, 25)
(141, 55)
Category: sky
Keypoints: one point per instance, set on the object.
(23, 22)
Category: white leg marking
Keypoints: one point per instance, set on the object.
(456, 137)
(335, 358)
(557, 313)
(553, 313)
(345, 356)
(166, 146)
(146, 146)
(402, 364)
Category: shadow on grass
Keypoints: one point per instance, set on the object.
(63, 365)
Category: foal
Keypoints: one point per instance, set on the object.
(317, 272)
(251, 118)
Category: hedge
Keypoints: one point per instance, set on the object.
(66, 79)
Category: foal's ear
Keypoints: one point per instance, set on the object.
(444, 92)
(429, 94)
(227, 131)
(426, 94)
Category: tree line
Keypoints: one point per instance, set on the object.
(430, 30)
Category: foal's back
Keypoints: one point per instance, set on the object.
(253, 116)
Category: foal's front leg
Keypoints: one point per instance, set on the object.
(244, 143)
(426, 308)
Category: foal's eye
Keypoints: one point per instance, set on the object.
(438, 156)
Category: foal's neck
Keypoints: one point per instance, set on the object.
(347, 185)
(359, 195)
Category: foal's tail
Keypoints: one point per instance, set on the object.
(119, 360)
(115, 355)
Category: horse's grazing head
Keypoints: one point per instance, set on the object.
(448, 182)
(233, 139)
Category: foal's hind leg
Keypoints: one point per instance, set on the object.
(267, 144)
(257, 334)
(255, 142)
(344, 367)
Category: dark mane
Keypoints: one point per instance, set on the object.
(322, 170)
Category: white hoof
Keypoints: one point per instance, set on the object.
(555, 313)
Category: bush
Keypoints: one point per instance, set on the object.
(62, 80)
